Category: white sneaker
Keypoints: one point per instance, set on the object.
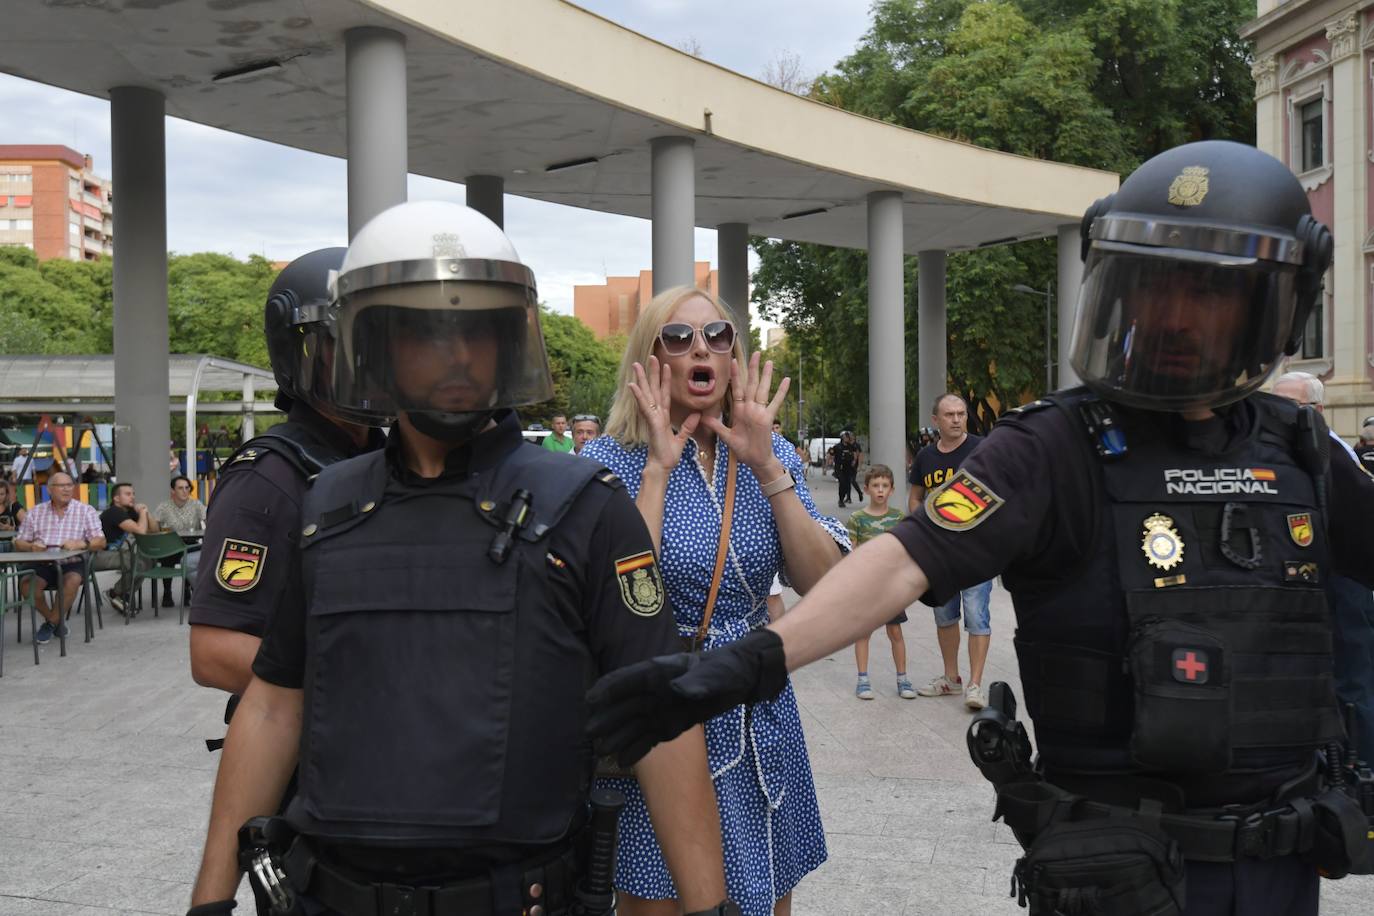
(973, 697)
(940, 686)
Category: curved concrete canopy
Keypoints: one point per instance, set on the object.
(510, 88)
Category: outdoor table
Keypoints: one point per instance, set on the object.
(56, 556)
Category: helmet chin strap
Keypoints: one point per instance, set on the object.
(450, 427)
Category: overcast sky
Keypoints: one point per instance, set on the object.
(238, 195)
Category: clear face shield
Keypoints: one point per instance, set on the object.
(1175, 329)
(440, 347)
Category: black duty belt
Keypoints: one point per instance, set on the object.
(539, 886)
(1266, 831)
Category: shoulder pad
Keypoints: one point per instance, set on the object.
(610, 479)
(1037, 404)
(245, 456)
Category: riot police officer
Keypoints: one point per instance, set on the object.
(254, 516)
(1164, 532)
(451, 599)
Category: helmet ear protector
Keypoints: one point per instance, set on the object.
(1102, 205)
(1318, 247)
(278, 312)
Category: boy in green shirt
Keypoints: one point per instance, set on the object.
(864, 525)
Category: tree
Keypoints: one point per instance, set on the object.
(583, 368)
(1102, 83)
(785, 72)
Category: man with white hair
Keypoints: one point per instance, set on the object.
(1352, 605)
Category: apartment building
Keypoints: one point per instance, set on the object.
(52, 202)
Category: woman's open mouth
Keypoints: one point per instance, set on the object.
(701, 380)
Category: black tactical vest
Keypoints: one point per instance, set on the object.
(301, 446)
(1195, 638)
(443, 696)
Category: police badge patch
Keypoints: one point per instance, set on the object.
(240, 565)
(1300, 528)
(641, 586)
(961, 503)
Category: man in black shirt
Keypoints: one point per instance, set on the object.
(1164, 535)
(120, 521)
(933, 466)
(449, 602)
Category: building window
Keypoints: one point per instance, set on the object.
(1310, 118)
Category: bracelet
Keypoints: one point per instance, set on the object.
(774, 487)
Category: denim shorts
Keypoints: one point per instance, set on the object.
(977, 617)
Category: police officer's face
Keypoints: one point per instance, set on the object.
(1188, 321)
(701, 375)
(447, 361)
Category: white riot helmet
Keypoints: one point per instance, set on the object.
(437, 319)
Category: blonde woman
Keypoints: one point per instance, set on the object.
(687, 400)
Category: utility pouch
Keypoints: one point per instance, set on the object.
(1182, 676)
(1343, 839)
(1122, 866)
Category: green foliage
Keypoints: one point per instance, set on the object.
(1101, 83)
(215, 303)
(584, 370)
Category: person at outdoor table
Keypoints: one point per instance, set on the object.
(673, 429)
(11, 512)
(123, 519)
(184, 515)
(61, 523)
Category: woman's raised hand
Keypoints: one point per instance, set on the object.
(653, 393)
(750, 433)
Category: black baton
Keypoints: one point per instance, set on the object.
(596, 892)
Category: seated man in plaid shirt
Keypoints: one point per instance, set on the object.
(60, 523)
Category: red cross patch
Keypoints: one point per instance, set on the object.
(1191, 666)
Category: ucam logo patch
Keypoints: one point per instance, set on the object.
(963, 502)
(1219, 481)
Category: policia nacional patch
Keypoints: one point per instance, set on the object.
(240, 565)
(641, 586)
(962, 502)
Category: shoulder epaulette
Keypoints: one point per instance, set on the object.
(610, 479)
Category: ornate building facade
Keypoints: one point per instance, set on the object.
(1314, 101)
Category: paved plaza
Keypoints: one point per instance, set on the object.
(105, 781)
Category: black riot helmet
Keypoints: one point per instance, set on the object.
(1200, 272)
(300, 334)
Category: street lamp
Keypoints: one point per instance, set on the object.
(1029, 290)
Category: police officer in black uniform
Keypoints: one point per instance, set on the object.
(1164, 532)
(254, 518)
(452, 598)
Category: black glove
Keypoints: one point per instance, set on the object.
(217, 908)
(636, 707)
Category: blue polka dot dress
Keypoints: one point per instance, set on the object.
(770, 824)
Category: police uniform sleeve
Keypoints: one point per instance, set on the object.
(281, 656)
(250, 530)
(1351, 503)
(626, 607)
(1014, 501)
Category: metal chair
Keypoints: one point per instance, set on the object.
(154, 548)
(10, 577)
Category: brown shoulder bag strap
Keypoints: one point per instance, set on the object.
(727, 512)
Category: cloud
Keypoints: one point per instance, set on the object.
(239, 195)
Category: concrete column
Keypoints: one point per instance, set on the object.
(143, 422)
(1269, 115)
(933, 357)
(375, 76)
(886, 332)
(486, 195)
(1346, 316)
(249, 397)
(674, 211)
(732, 258)
(1070, 279)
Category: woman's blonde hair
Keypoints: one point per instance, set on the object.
(625, 424)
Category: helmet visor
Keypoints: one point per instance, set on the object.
(1181, 329)
(444, 347)
(310, 363)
